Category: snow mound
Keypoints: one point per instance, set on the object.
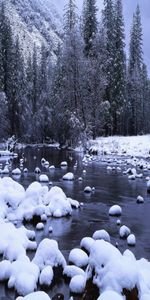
(16, 171)
(86, 243)
(24, 276)
(112, 270)
(48, 254)
(87, 189)
(68, 176)
(110, 295)
(46, 276)
(101, 235)
(43, 178)
(115, 210)
(140, 199)
(71, 271)
(59, 205)
(131, 240)
(78, 257)
(124, 231)
(35, 296)
(77, 284)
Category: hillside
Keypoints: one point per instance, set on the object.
(35, 22)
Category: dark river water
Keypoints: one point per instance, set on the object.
(110, 188)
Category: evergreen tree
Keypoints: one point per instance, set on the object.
(146, 100)
(108, 18)
(89, 26)
(135, 95)
(119, 71)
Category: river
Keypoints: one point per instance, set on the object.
(110, 188)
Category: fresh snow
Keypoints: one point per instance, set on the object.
(35, 296)
(77, 284)
(78, 257)
(115, 210)
(131, 145)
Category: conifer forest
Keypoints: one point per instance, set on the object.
(95, 87)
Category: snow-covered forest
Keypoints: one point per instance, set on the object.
(93, 88)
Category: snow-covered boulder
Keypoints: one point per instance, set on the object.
(16, 171)
(46, 276)
(35, 296)
(71, 271)
(43, 178)
(59, 205)
(64, 164)
(124, 231)
(40, 226)
(74, 203)
(148, 186)
(78, 257)
(69, 176)
(101, 235)
(52, 167)
(87, 189)
(48, 254)
(131, 240)
(115, 210)
(77, 284)
(140, 199)
(112, 270)
(24, 276)
(110, 295)
(5, 270)
(86, 243)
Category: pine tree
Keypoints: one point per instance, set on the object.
(135, 95)
(89, 26)
(146, 102)
(108, 18)
(119, 71)
(2, 50)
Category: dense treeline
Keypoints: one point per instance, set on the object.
(92, 89)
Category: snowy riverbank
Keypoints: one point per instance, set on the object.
(118, 145)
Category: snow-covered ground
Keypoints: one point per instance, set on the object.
(118, 145)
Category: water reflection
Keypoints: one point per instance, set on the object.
(110, 188)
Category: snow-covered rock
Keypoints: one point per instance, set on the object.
(131, 240)
(115, 210)
(59, 205)
(46, 276)
(140, 199)
(52, 167)
(77, 284)
(112, 270)
(148, 186)
(124, 231)
(35, 296)
(87, 189)
(24, 276)
(69, 176)
(5, 270)
(71, 271)
(110, 295)
(86, 243)
(78, 257)
(40, 226)
(101, 235)
(16, 171)
(64, 164)
(48, 254)
(43, 178)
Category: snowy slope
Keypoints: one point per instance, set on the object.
(35, 22)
